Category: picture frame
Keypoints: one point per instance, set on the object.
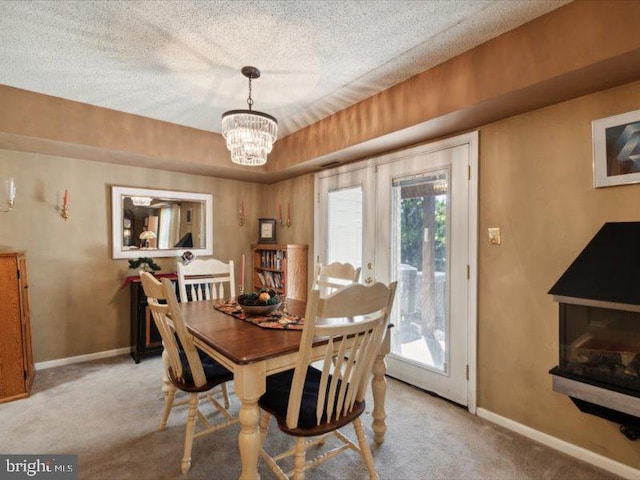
(266, 230)
(616, 149)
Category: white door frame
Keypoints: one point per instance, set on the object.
(472, 140)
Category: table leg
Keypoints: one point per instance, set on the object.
(249, 385)
(379, 390)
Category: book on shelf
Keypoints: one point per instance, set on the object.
(271, 260)
(262, 279)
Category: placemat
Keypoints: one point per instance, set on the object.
(277, 319)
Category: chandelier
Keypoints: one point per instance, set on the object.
(250, 134)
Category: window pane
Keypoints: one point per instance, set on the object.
(345, 226)
(419, 253)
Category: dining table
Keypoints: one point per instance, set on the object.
(253, 353)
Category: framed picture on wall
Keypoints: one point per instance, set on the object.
(616, 149)
(266, 230)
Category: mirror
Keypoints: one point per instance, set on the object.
(160, 223)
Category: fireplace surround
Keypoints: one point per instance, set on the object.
(599, 328)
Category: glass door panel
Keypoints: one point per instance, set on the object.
(345, 226)
(419, 251)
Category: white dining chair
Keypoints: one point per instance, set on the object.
(189, 369)
(316, 402)
(209, 279)
(331, 277)
(206, 280)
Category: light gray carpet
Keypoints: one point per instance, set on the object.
(107, 412)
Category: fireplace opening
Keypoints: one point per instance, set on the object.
(601, 344)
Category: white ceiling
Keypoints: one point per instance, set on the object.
(180, 61)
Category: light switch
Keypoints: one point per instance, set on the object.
(494, 236)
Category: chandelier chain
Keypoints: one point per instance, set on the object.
(249, 100)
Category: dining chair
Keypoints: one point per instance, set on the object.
(331, 277)
(205, 280)
(311, 402)
(189, 369)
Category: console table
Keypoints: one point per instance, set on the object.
(145, 338)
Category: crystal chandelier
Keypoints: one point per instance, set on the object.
(250, 134)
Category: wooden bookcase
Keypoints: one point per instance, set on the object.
(282, 268)
(16, 357)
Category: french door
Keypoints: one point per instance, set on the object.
(411, 217)
(346, 218)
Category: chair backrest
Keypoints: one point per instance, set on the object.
(168, 319)
(205, 280)
(329, 278)
(356, 317)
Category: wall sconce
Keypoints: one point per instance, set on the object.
(283, 222)
(8, 194)
(64, 211)
(241, 216)
(288, 222)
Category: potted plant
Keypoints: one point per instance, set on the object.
(145, 263)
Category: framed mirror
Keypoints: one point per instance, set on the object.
(160, 223)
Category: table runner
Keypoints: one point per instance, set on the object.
(277, 319)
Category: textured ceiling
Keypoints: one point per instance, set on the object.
(180, 61)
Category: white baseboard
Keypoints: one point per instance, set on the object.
(81, 358)
(580, 453)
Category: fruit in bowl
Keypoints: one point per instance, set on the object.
(259, 303)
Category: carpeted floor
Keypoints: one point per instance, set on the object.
(107, 412)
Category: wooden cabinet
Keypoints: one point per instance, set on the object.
(145, 337)
(282, 268)
(16, 358)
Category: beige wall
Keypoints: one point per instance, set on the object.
(76, 304)
(298, 193)
(536, 184)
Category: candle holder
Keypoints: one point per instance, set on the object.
(7, 194)
(241, 289)
(288, 222)
(64, 212)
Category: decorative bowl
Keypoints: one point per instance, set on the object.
(259, 310)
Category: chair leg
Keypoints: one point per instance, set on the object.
(190, 431)
(264, 426)
(365, 451)
(298, 471)
(225, 395)
(169, 396)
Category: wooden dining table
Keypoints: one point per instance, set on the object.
(252, 353)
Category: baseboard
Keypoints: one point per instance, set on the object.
(81, 358)
(570, 449)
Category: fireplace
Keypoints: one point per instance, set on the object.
(599, 334)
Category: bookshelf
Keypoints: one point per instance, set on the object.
(282, 268)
